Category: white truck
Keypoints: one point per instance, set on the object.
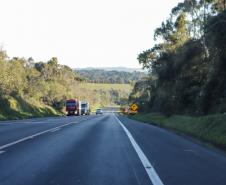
(84, 108)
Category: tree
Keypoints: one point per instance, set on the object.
(181, 35)
(218, 5)
(189, 62)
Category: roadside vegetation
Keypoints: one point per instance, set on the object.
(36, 89)
(100, 95)
(210, 128)
(187, 68)
(187, 72)
(18, 108)
(110, 77)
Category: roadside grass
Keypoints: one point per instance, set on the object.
(210, 128)
(2, 117)
(19, 108)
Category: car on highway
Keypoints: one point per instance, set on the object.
(99, 111)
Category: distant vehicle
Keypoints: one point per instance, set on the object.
(72, 107)
(99, 111)
(84, 108)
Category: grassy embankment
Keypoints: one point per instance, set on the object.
(211, 128)
(19, 108)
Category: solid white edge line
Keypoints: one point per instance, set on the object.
(155, 179)
(32, 136)
(55, 130)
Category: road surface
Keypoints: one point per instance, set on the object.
(103, 150)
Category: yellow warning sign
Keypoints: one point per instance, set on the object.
(134, 107)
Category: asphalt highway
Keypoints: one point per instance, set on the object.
(106, 149)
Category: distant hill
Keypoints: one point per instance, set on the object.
(125, 69)
(94, 75)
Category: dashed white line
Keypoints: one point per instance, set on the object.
(32, 136)
(1, 152)
(153, 176)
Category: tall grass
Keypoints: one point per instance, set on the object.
(18, 108)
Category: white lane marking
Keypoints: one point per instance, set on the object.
(55, 130)
(32, 136)
(1, 152)
(155, 179)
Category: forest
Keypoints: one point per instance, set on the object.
(187, 65)
(112, 77)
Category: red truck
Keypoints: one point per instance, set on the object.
(72, 107)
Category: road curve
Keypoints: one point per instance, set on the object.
(100, 150)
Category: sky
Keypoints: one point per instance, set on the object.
(81, 33)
